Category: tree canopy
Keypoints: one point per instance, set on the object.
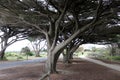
(10, 35)
(45, 15)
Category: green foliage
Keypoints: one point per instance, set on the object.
(94, 49)
(25, 50)
(80, 49)
(11, 54)
(113, 57)
(29, 54)
(43, 54)
(19, 57)
(116, 57)
(78, 54)
(4, 59)
(103, 53)
(98, 52)
(8, 54)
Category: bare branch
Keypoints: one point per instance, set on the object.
(57, 23)
(63, 44)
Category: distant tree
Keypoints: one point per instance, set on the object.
(26, 51)
(94, 49)
(114, 46)
(38, 44)
(10, 35)
(70, 49)
(80, 49)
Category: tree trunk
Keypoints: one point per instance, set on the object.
(66, 56)
(2, 54)
(52, 61)
(53, 50)
(113, 49)
(71, 56)
(50, 64)
(4, 45)
(37, 54)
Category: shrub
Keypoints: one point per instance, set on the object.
(19, 57)
(11, 54)
(29, 54)
(116, 57)
(4, 58)
(27, 51)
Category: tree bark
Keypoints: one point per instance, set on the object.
(52, 61)
(4, 45)
(2, 53)
(37, 54)
(54, 49)
(113, 49)
(66, 56)
(50, 67)
(69, 53)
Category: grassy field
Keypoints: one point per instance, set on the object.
(13, 56)
(102, 55)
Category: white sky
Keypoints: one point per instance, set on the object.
(17, 46)
(20, 44)
(89, 46)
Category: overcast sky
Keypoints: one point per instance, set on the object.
(89, 46)
(18, 45)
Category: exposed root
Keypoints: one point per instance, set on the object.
(45, 76)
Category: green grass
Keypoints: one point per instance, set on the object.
(12, 56)
(114, 58)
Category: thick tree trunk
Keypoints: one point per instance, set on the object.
(56, 57)
(52, 61)
(51, 65)
(37, 54)
(71, 56)
(66, 56)
(2, 54)
(4, 45)
(53, 49)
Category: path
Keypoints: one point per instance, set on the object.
(111, 66)
(19, 63)
(79, 70)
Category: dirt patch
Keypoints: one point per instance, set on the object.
(79, 70)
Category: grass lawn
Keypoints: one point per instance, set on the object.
(12, 56)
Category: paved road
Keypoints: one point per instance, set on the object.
(20, 63)
(111, 66)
